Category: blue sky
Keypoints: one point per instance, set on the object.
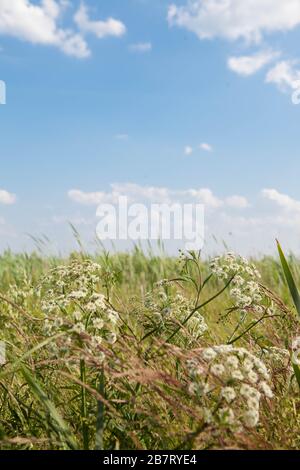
(167, 95)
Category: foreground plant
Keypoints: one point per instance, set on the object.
(230, 383)
(129, 353)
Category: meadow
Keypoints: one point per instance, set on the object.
(137, 351)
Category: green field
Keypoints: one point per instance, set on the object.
(128, 351)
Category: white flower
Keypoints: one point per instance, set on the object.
(251, 418)
(191, 364)
(99, 300)
(296, 351)
(98, 323)
(113, 316)
(266, 389)
(228, 393)
(228, 375)
(296, 357)
(232, 362)
(58, 322)
(217, 369)
(208, 354)
(77, 295)
(96, 341)
(226, 415)
(248, 365)
(77, 315)
(249, 392)
(252, 376)
(207, 416)
(78, 328)
(111, 338)
(296, 343)
(237, 375)
(91, 307)
(253, 404)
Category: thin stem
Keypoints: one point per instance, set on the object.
(252, 325)
(99, 445)
(85, 431)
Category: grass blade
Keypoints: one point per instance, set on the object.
(289, 279)
(297, 373)
(59, 425)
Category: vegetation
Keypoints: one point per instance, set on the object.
(130, 351)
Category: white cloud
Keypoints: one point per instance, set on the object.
(206, 197)
(154, 194)
(141, 47)
(206, 147)
(136, 192)
(188, 150)
(90, 198)
(237, 202)
(101, 29)
(6, 197)
(38, 24)
(234, 220)
(236, 19)
(248, 65)
(285, 75)
(282, 200)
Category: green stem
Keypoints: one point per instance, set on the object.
(99, 445)
(85, 431)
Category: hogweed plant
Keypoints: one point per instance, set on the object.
(131, 351)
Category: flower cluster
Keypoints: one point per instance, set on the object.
(277, 357)
(75, 308)
(168, 311)
(230, 383)
(245, 287)
(296, 351)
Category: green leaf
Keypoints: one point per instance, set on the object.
(297, 373)
(289, 279)
(59, 425)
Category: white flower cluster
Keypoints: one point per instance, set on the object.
(230, 382)
(296, 351)
(71, 283)
(246, 291)
(74, 307)
(169, 311)
(277, 357)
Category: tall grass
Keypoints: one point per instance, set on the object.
(139, 396)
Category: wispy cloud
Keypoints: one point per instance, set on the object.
(101, 29)
(38, 24)
(188, 150)
(7, 198)
(249, 65)
(285, 75)
(206, 147)
(154, 194)
(237, 202)
(282, 200)
(90, 198)
(43, 24)
(250, 20)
